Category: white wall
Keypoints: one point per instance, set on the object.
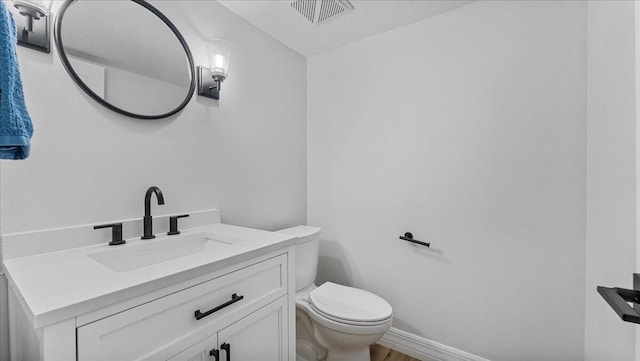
(611, 181)
(245, 154)
(467, 129)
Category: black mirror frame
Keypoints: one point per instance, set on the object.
(96, 97)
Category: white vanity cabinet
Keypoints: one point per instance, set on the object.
(244, 312)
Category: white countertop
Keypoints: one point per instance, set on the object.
(55, 286)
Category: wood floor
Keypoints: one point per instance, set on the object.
(381, 353)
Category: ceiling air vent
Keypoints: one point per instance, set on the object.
(319, 11)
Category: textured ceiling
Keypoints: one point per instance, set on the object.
(278, 19)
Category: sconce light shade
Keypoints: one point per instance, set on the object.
(210, 79)
(34, 35)
(219, 53)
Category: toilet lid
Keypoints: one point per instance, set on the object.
(348, 303)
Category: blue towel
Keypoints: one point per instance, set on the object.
(15, 124)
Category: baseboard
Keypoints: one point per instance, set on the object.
(422, 348)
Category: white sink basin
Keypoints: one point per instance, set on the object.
(130, 257)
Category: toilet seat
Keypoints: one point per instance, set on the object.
(348, 305)
(350, 323)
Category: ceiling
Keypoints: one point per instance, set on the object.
(370, 17)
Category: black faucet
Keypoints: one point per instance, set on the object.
(148, 220)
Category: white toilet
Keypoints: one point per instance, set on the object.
(333, 322)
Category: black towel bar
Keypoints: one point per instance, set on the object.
(619, 299)
(409, 237)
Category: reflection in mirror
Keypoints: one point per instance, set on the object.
(126, 55)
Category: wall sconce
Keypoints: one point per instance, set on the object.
(35, 33)
(210, 79)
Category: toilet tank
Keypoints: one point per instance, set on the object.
(306, 253)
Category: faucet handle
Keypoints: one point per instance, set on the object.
(173, 224)
(116, 233)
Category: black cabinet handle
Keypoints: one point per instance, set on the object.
(617, 298)
(215, 353)
(173, 224)
(227, 347)
(409, 237)
(116, 233)
(234, 298)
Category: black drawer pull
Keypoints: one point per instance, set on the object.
(225, 346)
(215, 354)
(234, 298)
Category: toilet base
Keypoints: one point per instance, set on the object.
(352, 355)
(346, 346)
(307, 348)
(360, 355)
(305, 351)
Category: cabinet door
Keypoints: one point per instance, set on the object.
(197, 352)
(262, 335)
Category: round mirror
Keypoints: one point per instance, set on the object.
(126, 55)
